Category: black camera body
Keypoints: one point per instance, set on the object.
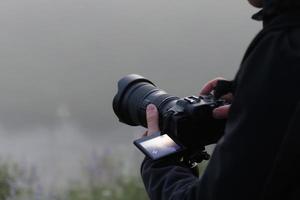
(188, 120)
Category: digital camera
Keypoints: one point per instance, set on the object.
(187, 121)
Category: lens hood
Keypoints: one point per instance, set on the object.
(124, 85)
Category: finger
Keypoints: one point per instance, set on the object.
(152, 119)
(228, 97)
(209, 86)
(221, 112)
(145, 134)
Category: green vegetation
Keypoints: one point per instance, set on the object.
(5, 180)
(103, 180)
(123, 189)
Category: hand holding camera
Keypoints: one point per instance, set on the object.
(222, 111)
(218, 113)
(187, 124)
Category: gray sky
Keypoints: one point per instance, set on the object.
(60, 61)
(63, 57)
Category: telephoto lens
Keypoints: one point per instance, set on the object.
(135, 93)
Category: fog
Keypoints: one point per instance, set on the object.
(60, 61)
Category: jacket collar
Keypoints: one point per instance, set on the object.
(266, 14)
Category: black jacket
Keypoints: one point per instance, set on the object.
(244, 164)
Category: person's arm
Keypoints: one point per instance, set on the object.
(265, 97)
(170, 172)
(166, 178)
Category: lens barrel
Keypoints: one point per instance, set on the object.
(135, 93)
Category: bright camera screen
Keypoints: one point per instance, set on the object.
(160, 146)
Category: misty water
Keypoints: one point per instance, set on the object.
(60, 61)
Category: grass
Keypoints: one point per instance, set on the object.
(5, 180)
(123, 189)
(104, 179)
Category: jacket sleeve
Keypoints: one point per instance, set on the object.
(168, 179)
(266, 93)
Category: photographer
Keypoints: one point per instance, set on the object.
(265, 97)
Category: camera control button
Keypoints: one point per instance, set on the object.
(197, 99)
(194, 97)
(190, 100)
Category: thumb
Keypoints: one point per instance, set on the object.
(152, 119)
(221, 112)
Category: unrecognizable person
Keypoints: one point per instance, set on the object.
(257, 158)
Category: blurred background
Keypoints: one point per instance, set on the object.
(60, 61)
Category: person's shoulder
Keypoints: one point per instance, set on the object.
(285, 29)
(280, 43)
(293, 39)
